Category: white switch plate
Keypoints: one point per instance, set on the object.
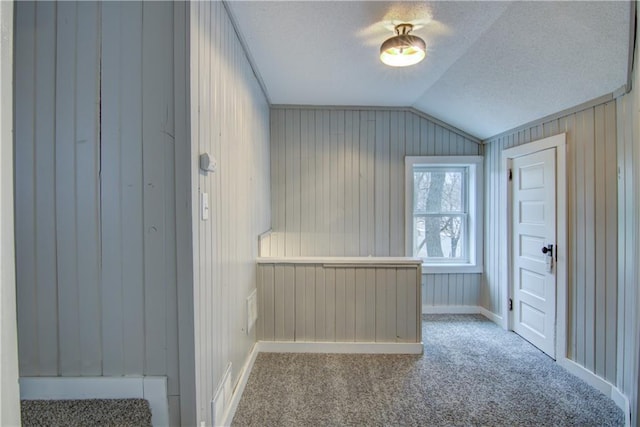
(204, 206)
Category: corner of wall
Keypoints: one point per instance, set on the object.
(9, 392)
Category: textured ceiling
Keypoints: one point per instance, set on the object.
(490, 66)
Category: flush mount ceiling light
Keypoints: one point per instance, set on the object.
(403, 49)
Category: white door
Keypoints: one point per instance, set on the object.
(534, 247)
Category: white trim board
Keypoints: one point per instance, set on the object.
(491, 316)
(600, 384)
(559, 143)
(374, 262)
(240, 386)
(339, 347)
(9, 393)
(461, 309)
(475, 202)
(450, 309)
(154, 389)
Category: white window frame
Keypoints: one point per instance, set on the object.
(474, 227)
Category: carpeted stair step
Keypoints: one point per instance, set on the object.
(86, 413)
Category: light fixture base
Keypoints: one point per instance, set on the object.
(403, 49)
(403, 29)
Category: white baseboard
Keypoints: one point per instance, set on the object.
(586, 375)
(153, 389)
(339, 347)
(599, 383)
(462, 309)
(450, 309)
(623, 403)
(239, 389)
(491, 316)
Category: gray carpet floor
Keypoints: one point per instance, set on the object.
(86, 413)
(471, 373)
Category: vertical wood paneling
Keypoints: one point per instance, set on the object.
(122, 243)
(370, 304)
(184, 258)
(66, 242)
(390, 299)
(440, 290)
(600, 241)
(110, 149)
(155, 138)
(320, 298)
(300, 302)
(360, 303)
(230, 120)
(26, 292)
(310, 301)
(97, 148)
(9, 387)
(381, 305)
(626, 314)
(340, 304)
(87, 186)
(612, 204)
(364, 304)
(357, 177)
(289, 303)
(347, 199)
(268, 302)
(593, 235)
(350, 305)
(305, 198)
(278, 302)
(413, 305)
(330, 304)
(45, 250)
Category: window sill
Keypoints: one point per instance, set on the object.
(450, 268)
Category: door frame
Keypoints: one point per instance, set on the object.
(9, 386)
(559, 143)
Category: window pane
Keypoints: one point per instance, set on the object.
(439, 237)
(438, 190)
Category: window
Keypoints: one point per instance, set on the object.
(444, 212)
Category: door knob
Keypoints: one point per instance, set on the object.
(548, 249)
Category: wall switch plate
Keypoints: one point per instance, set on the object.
(204, 206)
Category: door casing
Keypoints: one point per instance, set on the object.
(559, 143)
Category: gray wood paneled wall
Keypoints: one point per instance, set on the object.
(337, 185)
(593, 231)
(229, 120)
(102, 207)
(335, 303)
(9, 371)
(459, 289)
(628, 244)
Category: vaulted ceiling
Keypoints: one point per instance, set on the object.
(490, 65)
